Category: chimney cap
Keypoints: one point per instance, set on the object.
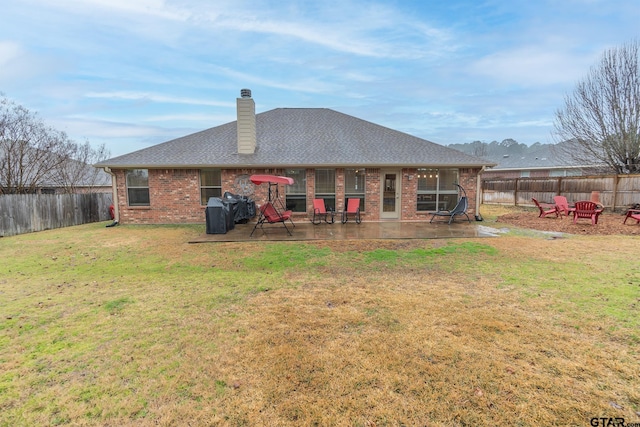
(245, 93)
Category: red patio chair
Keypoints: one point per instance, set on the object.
(595, 198)
(633, 214)
(545, 208)
(320, 212)
(563, 206)
(353, 208)
(586, 209)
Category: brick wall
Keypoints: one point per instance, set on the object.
(175, 194)
(174, 197)
(372, 195)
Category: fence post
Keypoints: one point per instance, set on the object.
(515, 193)
(616, 179)
(559, 193)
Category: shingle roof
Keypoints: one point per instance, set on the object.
(539, 159)
(547, 157)
(303, 137)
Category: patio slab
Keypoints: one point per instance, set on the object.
(350, 231)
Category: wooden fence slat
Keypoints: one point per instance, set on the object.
(616, 191)
(25, 213)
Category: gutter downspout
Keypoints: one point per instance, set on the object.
(478, 188)
(114, 191)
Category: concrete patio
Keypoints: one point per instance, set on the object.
(305, 230)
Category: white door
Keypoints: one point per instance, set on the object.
(390, 194)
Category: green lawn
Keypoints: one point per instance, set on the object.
(131, 325)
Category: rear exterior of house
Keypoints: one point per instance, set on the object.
(329, 155)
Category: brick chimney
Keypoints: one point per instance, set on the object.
(246, 123)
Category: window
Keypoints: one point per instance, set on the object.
(138, 187)
(296, 194)
(437, 189)
(210, 184)
(354, 185)
(564, 172)
(525, 174)
(326, 187)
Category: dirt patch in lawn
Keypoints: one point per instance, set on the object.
(608, 224)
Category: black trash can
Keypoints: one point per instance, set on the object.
(217, 216)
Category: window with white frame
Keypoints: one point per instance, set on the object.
(138, 187)
(437, 189)
(210, 184)
(296, 194)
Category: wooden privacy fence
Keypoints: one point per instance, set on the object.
(25, 213)
(616, 191)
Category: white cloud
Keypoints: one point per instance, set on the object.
(149, 8)
(212, 119)
(14, 62)
(9, 51)
(308, 85)
(532, 66)
(145, 96)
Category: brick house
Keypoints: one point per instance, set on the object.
(329, 155)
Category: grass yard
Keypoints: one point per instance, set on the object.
(132, 326)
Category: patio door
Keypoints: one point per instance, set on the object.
(390, 194)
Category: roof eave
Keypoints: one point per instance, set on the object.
(289, 165)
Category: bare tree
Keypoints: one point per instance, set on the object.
(34, 155)
(600, 121)
(76, 169)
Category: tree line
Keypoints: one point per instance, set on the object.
(495, 150)
(34, 155)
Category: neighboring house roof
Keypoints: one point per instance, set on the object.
(90, 179)
(78, 174)
(309, 137)
(540, 159)
(547, 157)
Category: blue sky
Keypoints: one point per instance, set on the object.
(133, 73)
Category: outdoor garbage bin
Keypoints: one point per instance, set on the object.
(217, 217)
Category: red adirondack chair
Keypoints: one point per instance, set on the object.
(563, 206)
(595, 198)
(633, 214)
(545, 208)
(586, 209)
